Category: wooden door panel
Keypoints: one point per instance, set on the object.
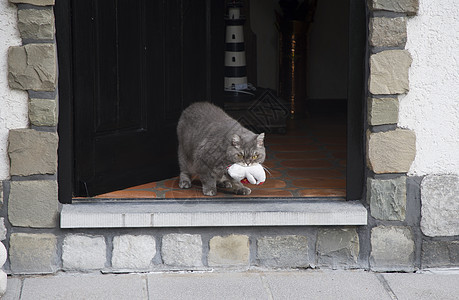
(132, 101)
(124, 144)
(134, 66)
(194, 51)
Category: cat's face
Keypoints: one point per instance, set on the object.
(247, 152)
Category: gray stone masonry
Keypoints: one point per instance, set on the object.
(440, 254)
(43, 112)
(36, 23)
(392, 249)
(389, 72)
(391, 151)
(410, 7)
(387, 198)
(283, 251)
(83, 252)
(133, 252)
(182, 250)
(382, 111)
(387, 32)
(1, 194)
(34, 2)
(337, 247)
(33, 203)
(440, 205)
(33, 253)
(32, 67)
(32, 152)
(232, 250)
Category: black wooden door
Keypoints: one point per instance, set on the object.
(135, 66)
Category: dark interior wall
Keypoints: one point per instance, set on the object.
(328, 47)
(328, 51)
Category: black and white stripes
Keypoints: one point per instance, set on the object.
(235, 64)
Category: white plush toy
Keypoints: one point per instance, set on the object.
(254, 174)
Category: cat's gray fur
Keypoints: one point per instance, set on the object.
(209, 142)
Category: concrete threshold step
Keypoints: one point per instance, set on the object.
(212, 213)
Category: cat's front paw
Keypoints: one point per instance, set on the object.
(184, 184)
(209, 191)
(225, 184)
(243, 191)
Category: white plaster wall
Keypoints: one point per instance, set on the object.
(13, 103)
(431, 107)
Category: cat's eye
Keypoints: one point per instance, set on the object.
(255, 156)
(240, 156)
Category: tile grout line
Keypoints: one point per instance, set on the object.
(266, 286)
(21, 288)
(145, 282)
(386, 286)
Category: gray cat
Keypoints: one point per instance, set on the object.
(209, 142)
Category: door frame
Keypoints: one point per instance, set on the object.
(65, 155)
(356, 99)
(357, 91)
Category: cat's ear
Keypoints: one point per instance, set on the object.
(260, 140)
(236, 141)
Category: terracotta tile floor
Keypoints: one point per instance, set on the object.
(308, 161)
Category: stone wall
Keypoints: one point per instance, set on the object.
(29, 199)
(166, 249)
(32, 67)
(400, 229)
(390, 150)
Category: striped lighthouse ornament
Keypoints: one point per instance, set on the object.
(235, 63)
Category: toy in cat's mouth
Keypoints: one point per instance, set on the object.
(254, 174)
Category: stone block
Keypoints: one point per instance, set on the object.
(382, 111)
(134, 252)
(389, 72)
(36, 23)
(391, 151)
(285, 251)
(338, 247)
(183, 250)
(34, 2)
(232, 250)
(32, 67)
(410, 7)
(392, 249)
(3, 276)
(43, 112)
(33, 203)
(33, 253)
(82, 252)
(1, 194)
(387, 198)
(387, 32)
(440, 254)
(440, 205)
(32, 152)
(3, 255)
(3, 229)
(3, 283)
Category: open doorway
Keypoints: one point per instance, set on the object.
(309, 160)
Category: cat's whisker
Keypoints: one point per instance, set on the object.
(266, 169)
